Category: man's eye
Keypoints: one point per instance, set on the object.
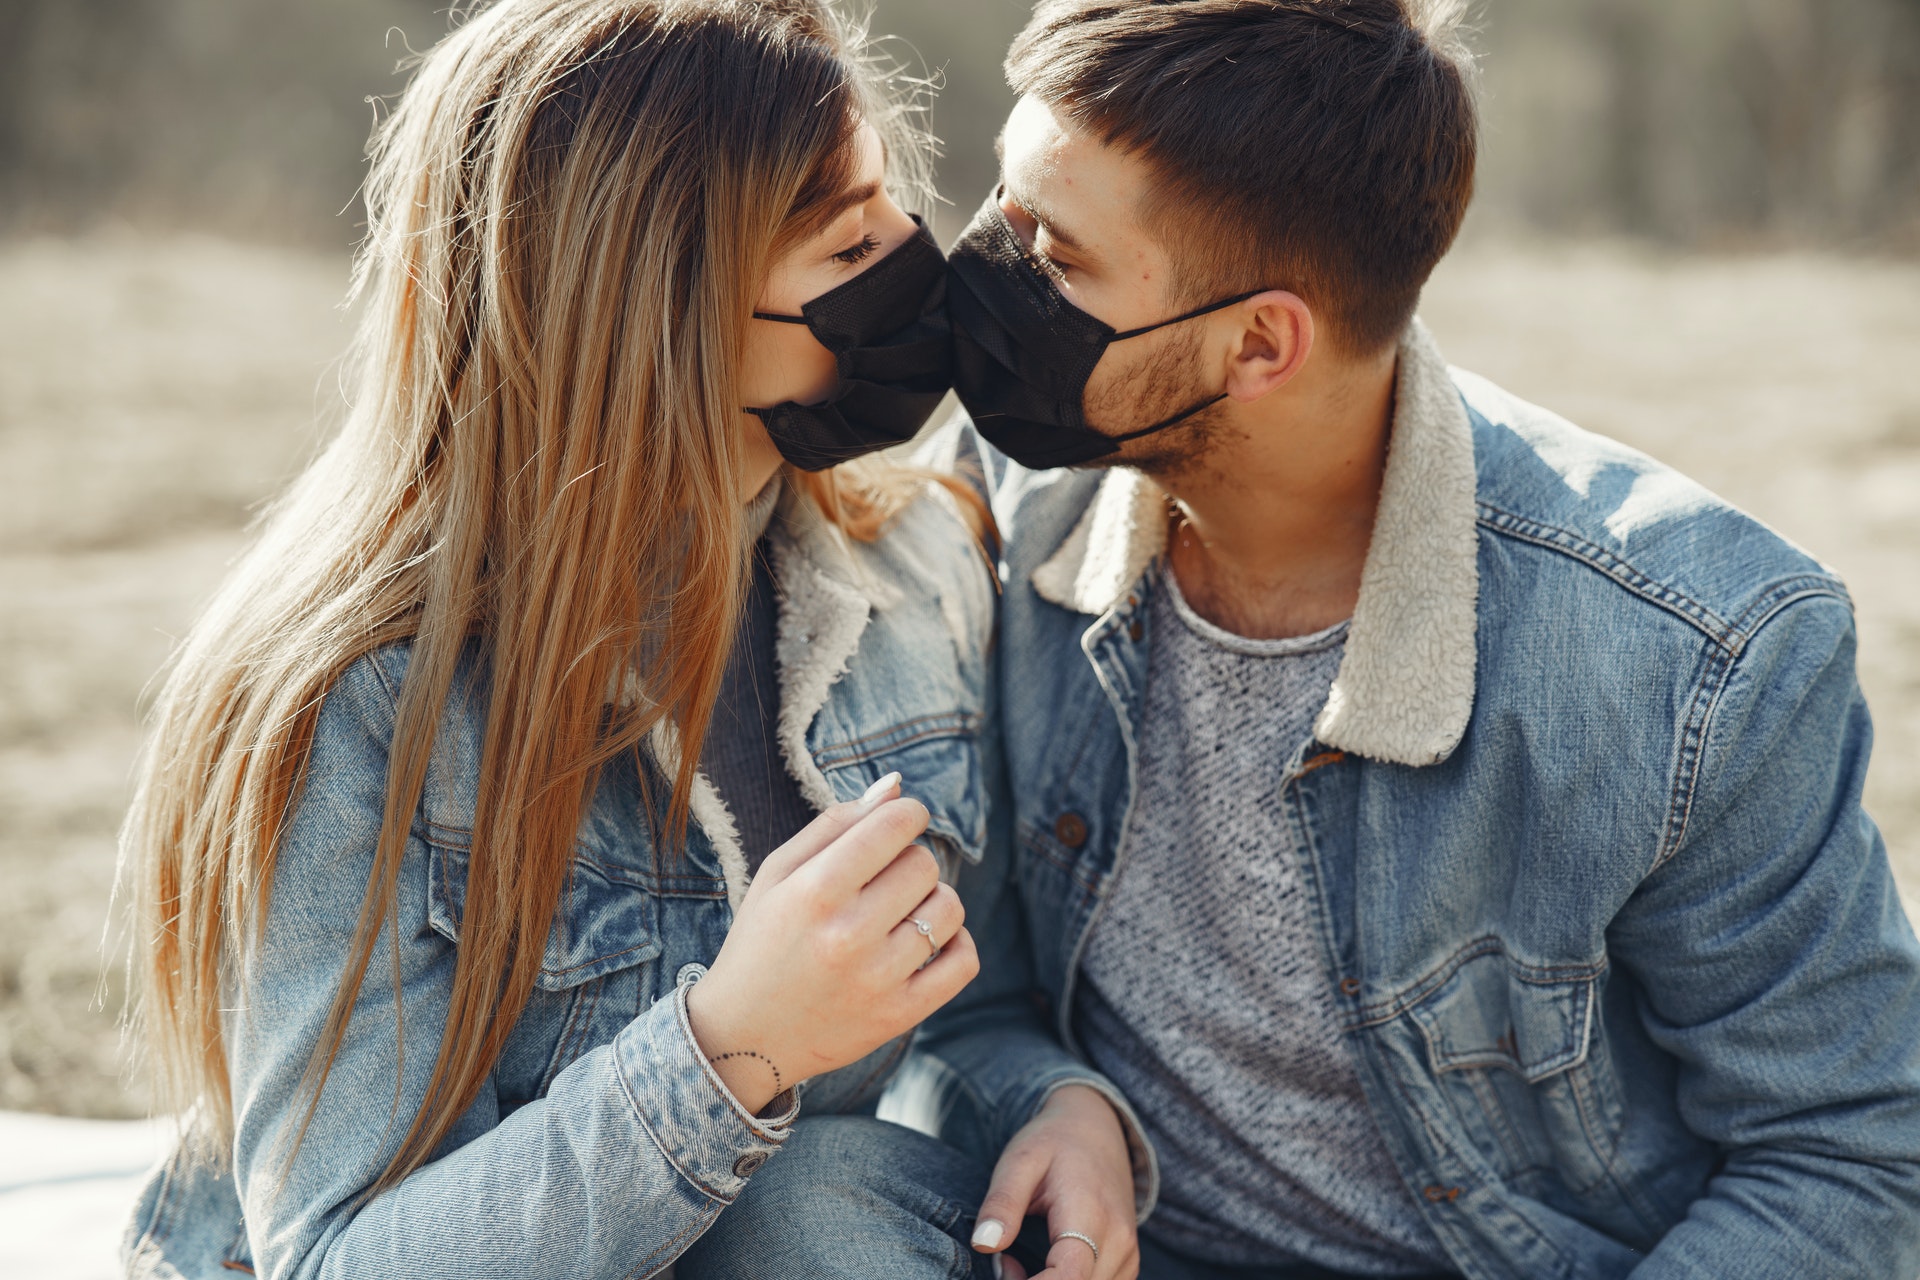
(859, 252)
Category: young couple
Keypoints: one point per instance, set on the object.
(1396, 833)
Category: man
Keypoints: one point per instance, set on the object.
(1432, 841)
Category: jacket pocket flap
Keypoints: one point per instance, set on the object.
(1493, 1013)
(938, 757)
(602, 924)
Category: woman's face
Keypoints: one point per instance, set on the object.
(785, 361)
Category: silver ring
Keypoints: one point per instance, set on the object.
(1083, 1239)
(926, 931)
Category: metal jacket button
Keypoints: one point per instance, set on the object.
(1070, 829)
(749, 1164)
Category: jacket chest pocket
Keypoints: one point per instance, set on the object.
(1516, 1052)
(594, 972)
(938, 757)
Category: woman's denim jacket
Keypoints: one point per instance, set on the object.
(1622, 964)
(603, 1143)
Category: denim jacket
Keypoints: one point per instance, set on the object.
(603, 1143)
(1620, 958)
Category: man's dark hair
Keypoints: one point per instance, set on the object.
(1321, 146)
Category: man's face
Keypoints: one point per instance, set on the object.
(1075, 204)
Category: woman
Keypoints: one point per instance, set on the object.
(447, 948)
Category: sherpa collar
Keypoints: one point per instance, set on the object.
(1405, 687)
(827, 597)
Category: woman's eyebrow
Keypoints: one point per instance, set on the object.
(851, 198)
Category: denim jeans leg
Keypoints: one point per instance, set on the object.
(849, 1198)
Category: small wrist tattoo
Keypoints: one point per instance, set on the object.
(779, 1086)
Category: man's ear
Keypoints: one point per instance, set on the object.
(1275, 338)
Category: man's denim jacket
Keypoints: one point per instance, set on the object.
(603, 1143)
(1621, 962)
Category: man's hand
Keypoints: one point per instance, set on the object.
(1070, 1162)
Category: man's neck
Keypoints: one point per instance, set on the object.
(1270, 528)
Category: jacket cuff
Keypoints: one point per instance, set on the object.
(688, 1111)
(1146, 1165)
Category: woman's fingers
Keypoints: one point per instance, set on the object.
(840, 871)
(901, 888)
(942, 913)
(824, 830)
(941, 980)
(1015, 1177)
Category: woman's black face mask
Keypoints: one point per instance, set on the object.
(1022, 354)
(887, 329)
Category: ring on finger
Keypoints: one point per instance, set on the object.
(926, 931)
(1084, 1239)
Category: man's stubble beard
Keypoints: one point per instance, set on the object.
(1151, 391)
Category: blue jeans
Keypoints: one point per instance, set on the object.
(1159, 1263)
(849, 1198)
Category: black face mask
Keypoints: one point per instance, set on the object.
(887, 329)
(1022, 353)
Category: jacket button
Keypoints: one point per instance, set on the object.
(749, 1164)
(1349, 986)
(1070, 829)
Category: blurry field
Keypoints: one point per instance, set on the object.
(151, 393)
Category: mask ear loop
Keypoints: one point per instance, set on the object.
(1209, 309)
(768, 315)
(1181, 417)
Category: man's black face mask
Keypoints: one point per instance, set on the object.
(1022, 354)
(887, 329)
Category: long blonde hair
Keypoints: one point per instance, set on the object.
(571, 211)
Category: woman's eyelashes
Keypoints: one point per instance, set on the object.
(860, 252)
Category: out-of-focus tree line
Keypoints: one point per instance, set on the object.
(1701, 122)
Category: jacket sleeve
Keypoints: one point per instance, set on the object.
(631, 1155)
(991, 1051)
(1781, 972)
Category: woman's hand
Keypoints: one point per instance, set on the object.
(1071, 1163)
(824, 964)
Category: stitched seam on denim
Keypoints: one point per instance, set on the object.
(1441, 1224)
(1296, 817)
(1783, 593)
(611, 955)
(620, 1073)
(1480, 1083)
(1609, 565)
(937, 724)
(1758, 615)
(1606, 1149)
(1036, 838)
(1530, 1074)
(580, 1009)
(675, 1246)
(1690, 749)
(1534, 975)
(160, 1205)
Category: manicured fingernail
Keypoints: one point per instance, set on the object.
(878, 791)
(987, 1234)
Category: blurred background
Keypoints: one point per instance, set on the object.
(1698, 231)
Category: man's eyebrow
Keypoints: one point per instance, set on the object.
(1040, 215)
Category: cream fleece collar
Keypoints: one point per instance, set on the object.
(827, 597)
(1405, 688)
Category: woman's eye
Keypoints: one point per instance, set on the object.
(858, 252)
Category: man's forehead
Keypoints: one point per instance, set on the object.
(1083, 189)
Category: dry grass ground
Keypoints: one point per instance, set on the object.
(152, 392)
